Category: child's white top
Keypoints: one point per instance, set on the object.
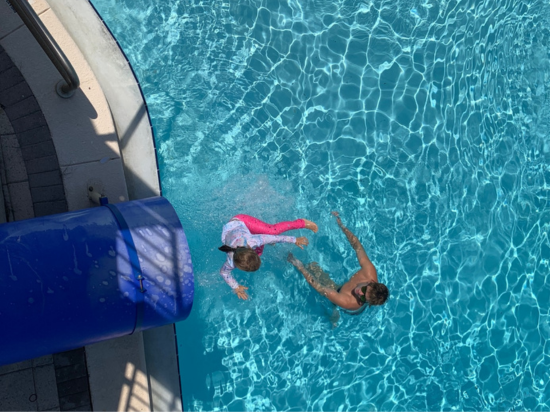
(236, 234)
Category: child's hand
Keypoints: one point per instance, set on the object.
(240, 291)
(301, 242)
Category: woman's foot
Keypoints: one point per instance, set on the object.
(310, 225)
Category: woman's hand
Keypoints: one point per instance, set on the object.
(240, 291)
(337, 216)
(301, 242)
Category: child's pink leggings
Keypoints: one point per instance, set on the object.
(257, 227)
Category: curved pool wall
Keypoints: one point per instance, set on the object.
(78, 278)
(426, 125)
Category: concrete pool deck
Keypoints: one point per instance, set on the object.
(52, 150)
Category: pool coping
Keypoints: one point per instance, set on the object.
(122, 91)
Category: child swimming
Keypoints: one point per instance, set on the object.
(244, 238)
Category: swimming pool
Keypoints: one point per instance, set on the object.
(426, 124)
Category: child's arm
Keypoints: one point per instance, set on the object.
(259, 240)
(225, 272)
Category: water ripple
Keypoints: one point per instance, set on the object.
(426, 124)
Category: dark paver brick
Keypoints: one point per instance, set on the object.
(15, 94)
(39, 150)
(5, 61)
(34, 136)
(50, 208)
(22, 108)
(47, 194)
(70, 357)
(45, 179)
(83, 408)
(10, 6)
(73, 386)
(70, 372)
(28, 122)
(74, 401)
(44, 164)
(10, 78)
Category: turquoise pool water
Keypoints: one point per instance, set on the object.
(426, 124)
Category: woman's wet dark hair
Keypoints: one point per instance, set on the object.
(378, 294)
(244, 258)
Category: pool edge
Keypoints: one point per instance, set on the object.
(152, 352)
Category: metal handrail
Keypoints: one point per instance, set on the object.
(65, 88)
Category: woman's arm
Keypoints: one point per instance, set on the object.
(329, 293)
(362, 257)
(332, 295)
(310, 279)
